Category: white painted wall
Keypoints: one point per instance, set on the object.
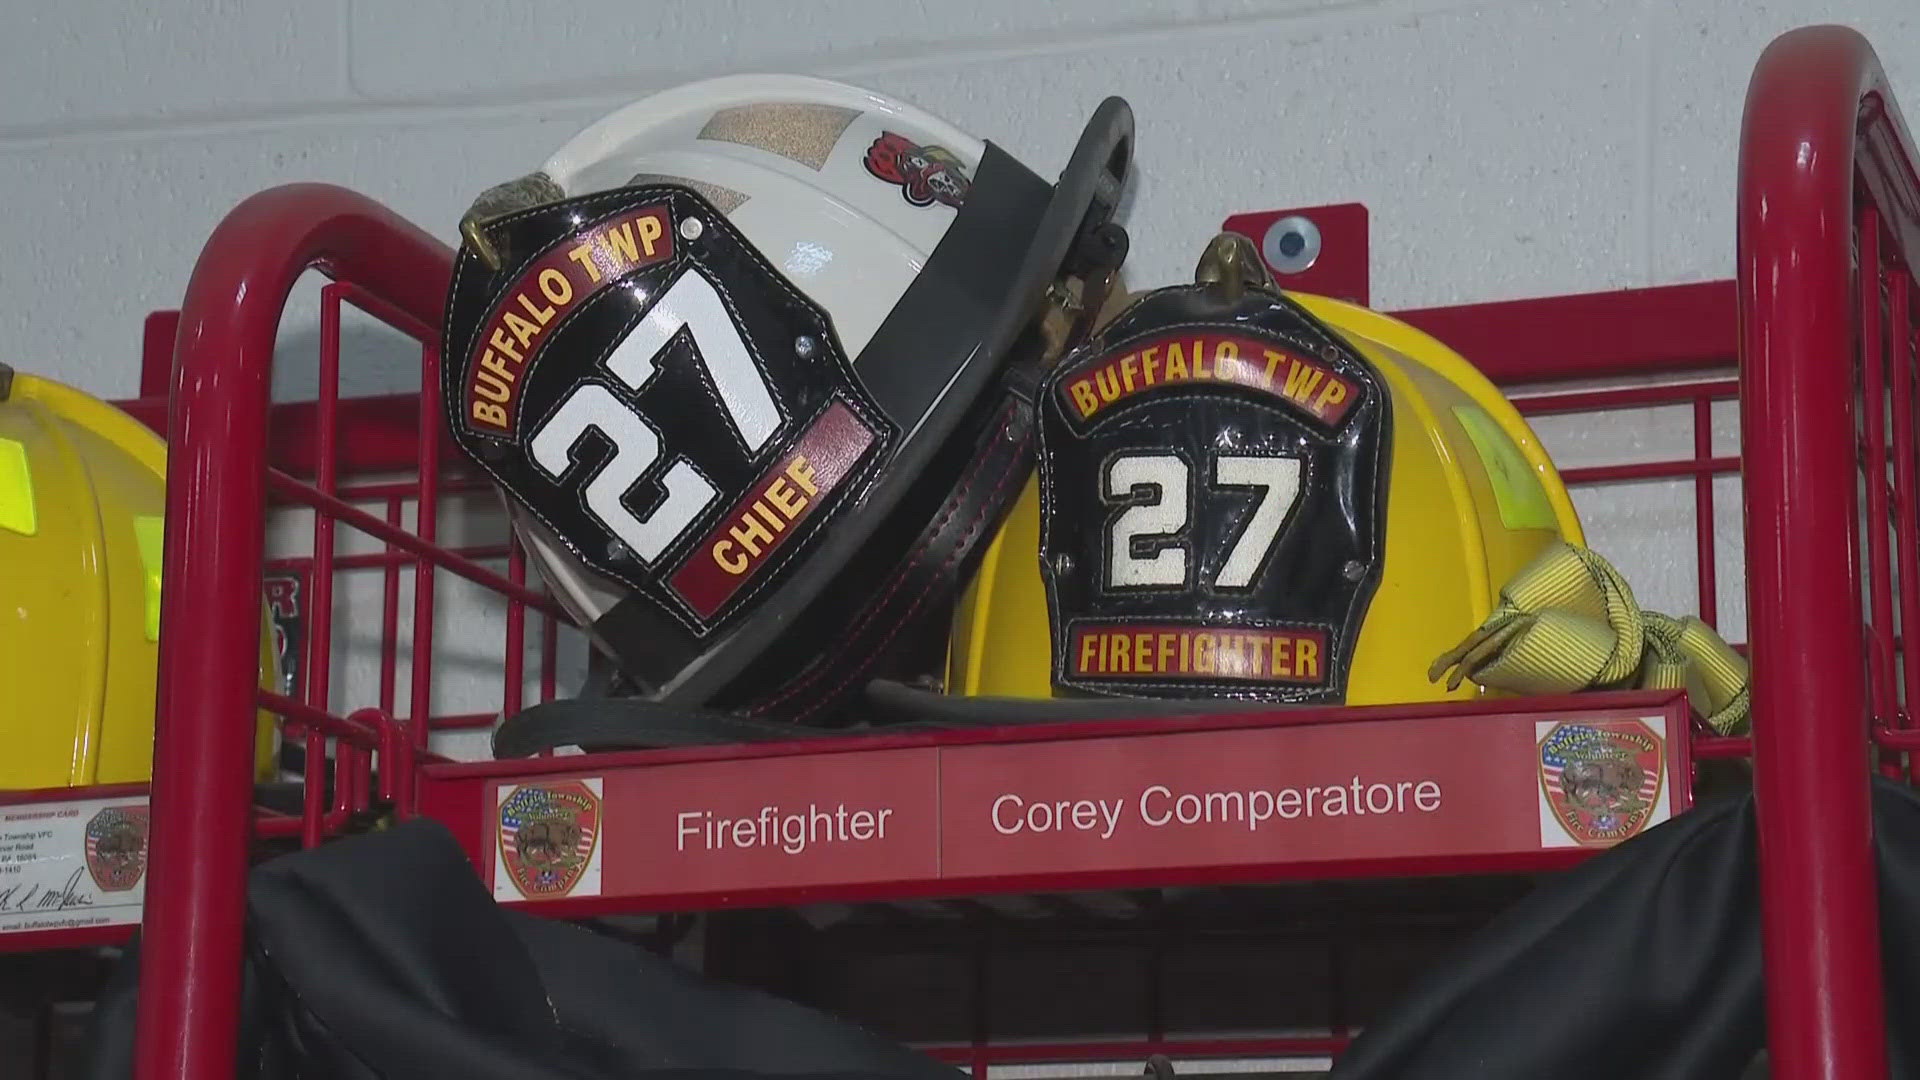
(1504, 148)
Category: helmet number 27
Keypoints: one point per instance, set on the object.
(1146, 548)
(691, 304)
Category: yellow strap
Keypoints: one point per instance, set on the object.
(1568, 622)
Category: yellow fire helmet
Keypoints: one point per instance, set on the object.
(82, 499)
(1247, 495)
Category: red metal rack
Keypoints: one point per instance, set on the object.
(1819, 315)
(1829, 220)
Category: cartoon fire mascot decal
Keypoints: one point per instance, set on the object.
(926, 174)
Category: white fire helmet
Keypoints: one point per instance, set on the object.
(751, 361)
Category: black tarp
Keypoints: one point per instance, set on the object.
(382, 955)
(1643, 962)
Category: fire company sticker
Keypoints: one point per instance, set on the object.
(69, 865)
(547, 840)
(1601, 781)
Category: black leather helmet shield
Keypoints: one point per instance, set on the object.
(1213, 484)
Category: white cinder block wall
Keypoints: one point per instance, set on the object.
(1504, 148)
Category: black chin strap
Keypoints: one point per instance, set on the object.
(641, 724)
(599, 724)
(942, 557)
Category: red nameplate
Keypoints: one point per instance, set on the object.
(1168, 802)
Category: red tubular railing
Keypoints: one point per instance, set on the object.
(1820, 128)
(202, 779)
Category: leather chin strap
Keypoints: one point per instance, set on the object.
(942, 558)
(1568, 621)
(891, 707)
(946, 553)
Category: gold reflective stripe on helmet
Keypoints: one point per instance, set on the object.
(16, 489)
(1517, 491)
(150, 531)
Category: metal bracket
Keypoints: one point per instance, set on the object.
(1315, 249)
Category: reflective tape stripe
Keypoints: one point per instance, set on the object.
(150, 531)
(16, 489)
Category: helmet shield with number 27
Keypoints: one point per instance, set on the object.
(751, 360)
(1250, 495)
